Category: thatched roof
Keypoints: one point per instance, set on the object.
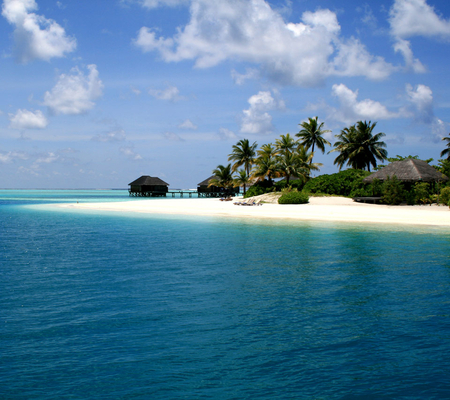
(206, 181)
(146, 180)
(409, 170)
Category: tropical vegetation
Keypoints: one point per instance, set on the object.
(359, 147)
(287, 163)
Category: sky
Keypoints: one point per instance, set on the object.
(98, 93)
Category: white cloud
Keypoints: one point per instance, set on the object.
(188, 124)
(47, 158)
(404, 47)
(226, 134)
(303, 53)
(410, 18)
(239, 79)
(171, 93)
(256, 119)
(150, 4)
(74, 94)
(25, 119)
(173, 137)
(422, 100)
(130, 153)
(109, 137)
(11, 156)
(352, 110)
(35, 36)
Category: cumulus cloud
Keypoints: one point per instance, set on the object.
(25, 119)
(226, 134)
(35, 36)
(188, 124)
(412, 64)
(74, 94)
(303, 53)
(129, 152)
(421, 99)
(352, 110)
(410, 18)
(256, 119)
(171, 93)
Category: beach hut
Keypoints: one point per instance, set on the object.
(204, 190)
(148, 186)
(408, 171)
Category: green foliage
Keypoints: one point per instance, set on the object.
(393, 191)
(422, 193)
(293, 198)
(444, 168)
(341, 184)
(445, 196)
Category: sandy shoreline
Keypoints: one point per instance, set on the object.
(333, 209)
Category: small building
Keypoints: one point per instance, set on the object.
(408, 171)
(148, 186)
(204, 190)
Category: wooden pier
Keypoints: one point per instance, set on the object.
(162, 194)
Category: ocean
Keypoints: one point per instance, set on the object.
(104, 305)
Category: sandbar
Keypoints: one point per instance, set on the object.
(332, 209)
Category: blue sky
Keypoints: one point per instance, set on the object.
(97, 93)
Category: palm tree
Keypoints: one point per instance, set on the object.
(305, 159)
(242, 179)
(267, 150)
(286, 144)
(265, 167)
(311, 135)
(243, 154)
(446, 152)
(358, 147)
(222, 177)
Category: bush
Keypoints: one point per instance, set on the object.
(422, 193)
(293, 198)
(445, 196)
(393, 191)
(341, 184)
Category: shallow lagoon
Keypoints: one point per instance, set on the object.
(101, 305)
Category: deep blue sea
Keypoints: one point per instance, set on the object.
(103, 305)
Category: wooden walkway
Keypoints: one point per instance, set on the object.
(162, 194)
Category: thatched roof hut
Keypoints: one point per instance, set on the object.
(409, 170)
(148, 186)
(204, 190)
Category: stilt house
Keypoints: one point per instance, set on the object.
(148, 186)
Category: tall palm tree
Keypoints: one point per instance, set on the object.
(243, 154)
(267, 150)
(222, 177)
(285, 144)
(446, 152)
(265, 167)
(358, 147)
(241, 179)
(305, 159)
(311, 135)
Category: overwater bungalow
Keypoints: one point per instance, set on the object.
(204, 190)
(148, 186)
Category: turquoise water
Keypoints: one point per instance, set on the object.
(102, 305)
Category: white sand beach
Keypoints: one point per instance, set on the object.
(336, 209)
